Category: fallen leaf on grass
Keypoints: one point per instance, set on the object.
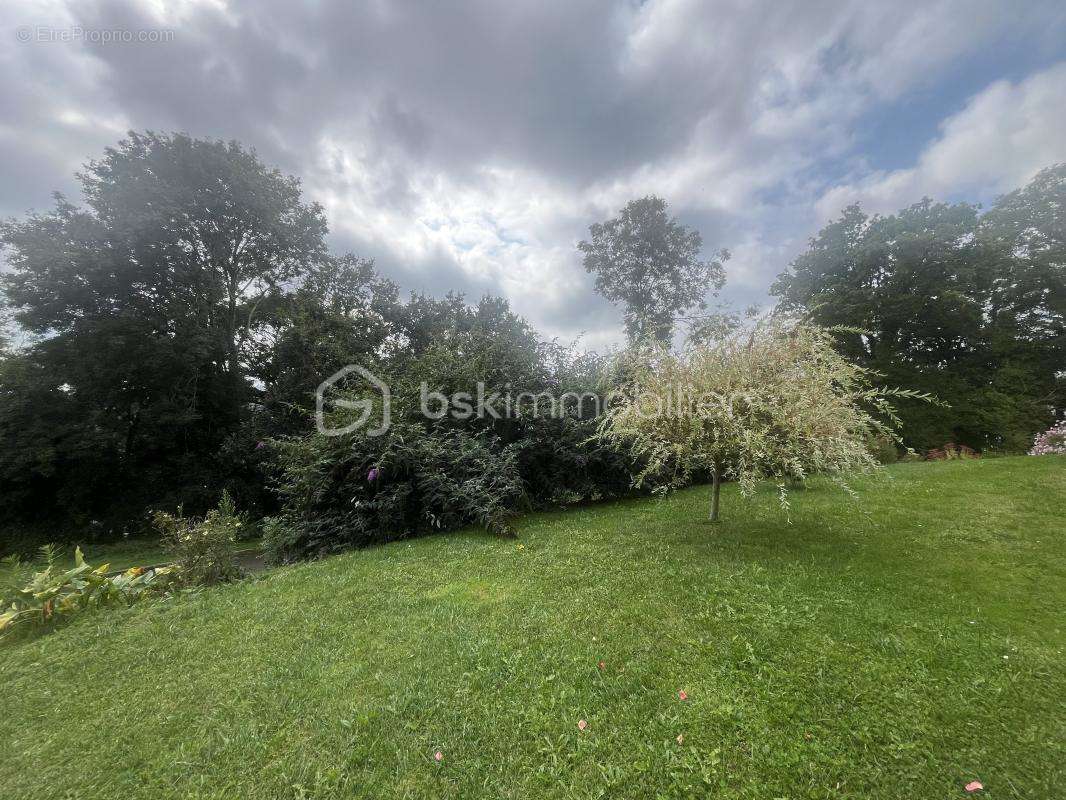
(974, 786)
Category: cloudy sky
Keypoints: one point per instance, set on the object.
(468, 145)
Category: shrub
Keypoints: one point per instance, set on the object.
(561, 463)
(53, 595)
(1052, 441)
(884, 449)
(349, 491)
(202, 549)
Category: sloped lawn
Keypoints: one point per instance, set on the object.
(895, 648)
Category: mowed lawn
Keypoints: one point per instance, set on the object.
(899, 646)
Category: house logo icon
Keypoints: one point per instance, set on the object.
(339, 388)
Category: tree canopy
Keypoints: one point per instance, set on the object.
(953, 301)
(652, 265)
(145, 304)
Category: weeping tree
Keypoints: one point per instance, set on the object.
(773, 403)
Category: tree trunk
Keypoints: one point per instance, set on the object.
(716, 492)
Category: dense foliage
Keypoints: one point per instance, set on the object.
(146, 305)
(350, 491)
(966, 305)
(173, 329)
(444, 470)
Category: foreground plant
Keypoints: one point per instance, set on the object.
(54, 595)
(777, 402)
(203, 549)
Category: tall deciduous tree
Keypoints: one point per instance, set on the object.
(146, 299)
(343, 313)
(652, 265)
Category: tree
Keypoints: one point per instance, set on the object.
(776, 402)
(145, 304)
(343, 313)
(947, 300)
(1026, 232)
(651, 264)
(1050, 442)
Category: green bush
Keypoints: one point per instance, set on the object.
(350, 491)
(884, 449)
(560, 463)
(202, 549)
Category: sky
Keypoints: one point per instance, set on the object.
(469, 145)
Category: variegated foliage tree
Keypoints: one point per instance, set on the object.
(774, 402)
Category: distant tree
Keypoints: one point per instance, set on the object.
(776, 402)
(1025, 231)
(963, 305)
(651, 264)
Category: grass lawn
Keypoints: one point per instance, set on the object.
(895, 648)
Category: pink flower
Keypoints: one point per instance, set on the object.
(581, 724)
(681, 695)
(438, 756)
(372, 475)
(974, 786)
(1051, 441)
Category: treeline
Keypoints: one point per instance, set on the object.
(175, 325)
(964, 303)
(180, 321)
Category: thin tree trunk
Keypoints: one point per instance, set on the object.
(716, 492)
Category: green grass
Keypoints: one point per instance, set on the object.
(895, 648)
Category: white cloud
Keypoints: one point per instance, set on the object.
(471, 150)
(1003, 137)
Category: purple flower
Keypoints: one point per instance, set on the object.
(260, 445)
(372, 475)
